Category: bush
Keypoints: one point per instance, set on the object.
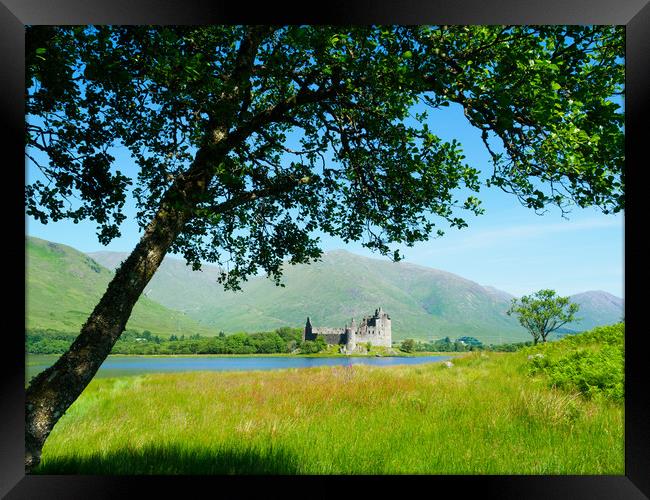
(591, 363)
(312, 346)
(408, 345)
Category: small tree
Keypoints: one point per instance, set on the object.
(543, 312)
(408, 345)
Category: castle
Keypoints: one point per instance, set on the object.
(375, 330)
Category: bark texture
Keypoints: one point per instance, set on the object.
(52, 392)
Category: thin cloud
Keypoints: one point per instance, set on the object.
(508, 235)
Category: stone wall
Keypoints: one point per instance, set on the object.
(328, 331)
(334, 338)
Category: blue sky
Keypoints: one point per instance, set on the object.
(508, 247)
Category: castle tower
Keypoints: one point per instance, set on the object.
(307, 333)
(386, 329)
(351, 341)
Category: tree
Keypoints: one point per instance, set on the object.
(207, 114)
(472, 341)
(408, 345)
(312, 346)
(543, 313)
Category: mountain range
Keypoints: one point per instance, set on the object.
(424, 303)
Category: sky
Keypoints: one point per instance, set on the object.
(509, 247)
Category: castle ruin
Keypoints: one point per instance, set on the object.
(375, 330)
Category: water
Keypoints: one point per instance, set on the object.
(116, 366)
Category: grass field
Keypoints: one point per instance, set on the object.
(484, 415)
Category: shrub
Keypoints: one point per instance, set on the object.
(408, 345)
(591, 363)
(312, 346)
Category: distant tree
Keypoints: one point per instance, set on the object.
(471, 342)
(408, 345)
(459, 346)
(270, 343)
(235, 344)
(289, 334)
(312, 346)
(320, 342)
(249, 141)
(543, 313)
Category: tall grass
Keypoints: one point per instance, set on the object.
(483, 415)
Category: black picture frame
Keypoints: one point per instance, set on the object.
(634, 14)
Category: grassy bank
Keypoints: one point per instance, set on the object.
(487, 414)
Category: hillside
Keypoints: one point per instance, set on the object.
(63, 285)
(174, 285)
(423, 302)
(597, 308)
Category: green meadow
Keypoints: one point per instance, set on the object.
(489, 413)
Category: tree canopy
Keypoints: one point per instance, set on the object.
(210, 116)
(209, 113)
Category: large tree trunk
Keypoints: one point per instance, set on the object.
(52, 392)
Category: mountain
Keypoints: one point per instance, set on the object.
(423, 302)
(63, 286)
(597, 308)
(175, 284)
(498, 293)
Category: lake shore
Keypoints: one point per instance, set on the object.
(275, 355)
(298, 355)
(135, 365)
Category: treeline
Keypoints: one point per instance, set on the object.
(281, 340)
(461, 344)
(48, 341)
